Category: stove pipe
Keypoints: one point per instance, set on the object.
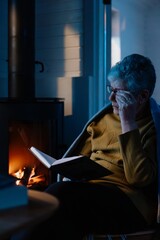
(21, 49)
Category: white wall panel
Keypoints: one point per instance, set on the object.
(59, 43)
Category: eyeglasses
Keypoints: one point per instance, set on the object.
(135, 93)
(113, 90)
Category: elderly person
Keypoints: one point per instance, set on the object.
(122, 137)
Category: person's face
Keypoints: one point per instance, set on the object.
(119, 88)
(112, 88)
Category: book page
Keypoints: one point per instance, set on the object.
(43, 157)
(66, 159)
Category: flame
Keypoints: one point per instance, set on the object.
(19, 174)
(32, 178)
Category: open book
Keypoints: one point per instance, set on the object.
(74, 168)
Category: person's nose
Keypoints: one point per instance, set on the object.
(112, 96)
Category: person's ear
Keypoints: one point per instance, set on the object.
(143, 96)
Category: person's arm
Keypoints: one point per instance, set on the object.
(139, 156)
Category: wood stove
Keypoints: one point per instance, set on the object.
(26, 120)
(23, 124)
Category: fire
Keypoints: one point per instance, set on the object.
(19, 175)
(28, 177)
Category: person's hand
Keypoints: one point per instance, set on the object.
(127, 104)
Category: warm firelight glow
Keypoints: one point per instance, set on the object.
(23, 165)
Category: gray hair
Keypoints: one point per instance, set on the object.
(136, 71)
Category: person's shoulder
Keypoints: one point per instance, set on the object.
(107, 109)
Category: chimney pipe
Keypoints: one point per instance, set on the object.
(21, 49)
